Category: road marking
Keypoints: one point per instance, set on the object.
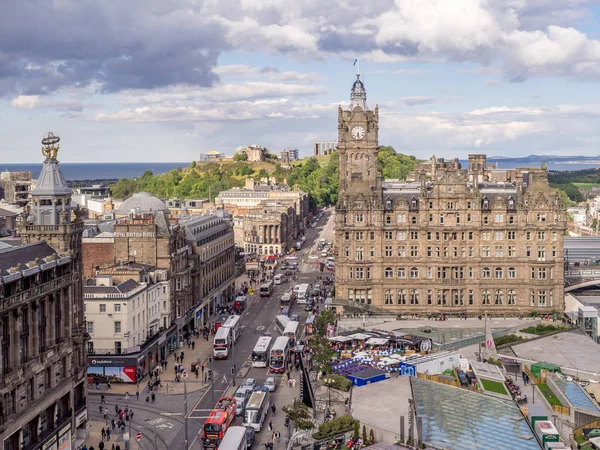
(171, 414)
(161, 424)
(260, 328)
(198, 417)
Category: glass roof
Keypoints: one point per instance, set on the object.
(575, 395)
(455, 418)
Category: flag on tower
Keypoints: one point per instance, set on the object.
(355, 61)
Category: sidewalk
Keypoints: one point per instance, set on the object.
(282, 396)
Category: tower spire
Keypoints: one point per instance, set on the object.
(358, 94)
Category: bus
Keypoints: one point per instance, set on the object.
(218, 422)
(233, 323)
(281, 322)
(257, 409)
(266, 289)
(291, 331)
(279, 355)
(302, 294)
(260, 354)
(235, 439)
(221, 343)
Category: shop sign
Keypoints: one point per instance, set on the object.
(51, 444)
(64, 438)
(82, 417)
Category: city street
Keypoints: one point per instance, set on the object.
(165, 418)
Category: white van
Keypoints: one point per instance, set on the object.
(279, 278)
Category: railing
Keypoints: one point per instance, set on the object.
(37, 291)
(579, 431)
(536, 380)
(438, 379)
(561, 410)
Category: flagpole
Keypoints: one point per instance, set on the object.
(357, 66)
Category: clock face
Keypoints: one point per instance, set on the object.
(425, 345)
(358, 133)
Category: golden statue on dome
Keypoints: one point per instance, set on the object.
(50, 145)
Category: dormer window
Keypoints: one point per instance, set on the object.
(486, 203)
(388, 203)
(414, 203)
(511, 203)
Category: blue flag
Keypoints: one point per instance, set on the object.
(355, 62)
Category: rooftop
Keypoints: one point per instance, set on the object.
(570, 349)
(124, 288)
(142, 203)
(576, 396)
(24, 255)
(456, 419)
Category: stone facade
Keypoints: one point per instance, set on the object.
(265, 231)
(16, 187)
(265, 192)
(447, 240)
(42, 324)
(254, 152)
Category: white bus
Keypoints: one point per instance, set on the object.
(302, 294)
(280, 354)
(291, 331)
(221, 343)
(235, 439)
(257, 409)
(266, 289)
(260, 354)
(281, 322)
(233, 323)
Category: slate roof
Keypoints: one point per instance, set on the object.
(142, 202)
(10, 257)
(51, 181)
(124, 288)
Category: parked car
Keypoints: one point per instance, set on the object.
(250, 383)
(270, 383)
(241, 398)
(295, 317)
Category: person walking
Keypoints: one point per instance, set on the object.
(103, 433)
(270, 426)
(107, 434)
(273, 408)
(137, 395)
(153, 397)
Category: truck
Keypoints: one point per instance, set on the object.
(299, 245)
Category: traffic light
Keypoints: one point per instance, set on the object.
(233, 370)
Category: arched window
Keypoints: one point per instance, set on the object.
(498, 297)
(388, 297)
(388, 220)
(401, 272)
(389, 272)
(414, 297)
(485, 297)
(498, 272)
(401, 298)
(414, 272)
(486, 273)
(512, 297)
(512, 272)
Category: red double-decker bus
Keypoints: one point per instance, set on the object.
(219, 420)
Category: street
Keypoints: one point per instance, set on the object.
(165, 418)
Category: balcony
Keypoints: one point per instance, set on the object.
(38, 291)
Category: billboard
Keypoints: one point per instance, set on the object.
(64, 438)
(119, 374)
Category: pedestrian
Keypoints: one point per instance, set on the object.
(113, 447)
(108, 384)
(118, 447)
(153, 397)
(126, 396)
(102, 400)
(103, 433)
(137, 395)
(116, 409)
(108, 434)
(113, 424)
(273, 408)
(278, 436)
(193, 345)
(101, 445)
(181, 357)
(270, 426)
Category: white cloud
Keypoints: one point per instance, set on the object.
(267, 73)
(37, 101)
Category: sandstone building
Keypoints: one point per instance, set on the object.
(42, 324)
(447, 240)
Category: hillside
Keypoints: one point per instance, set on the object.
(317, 176)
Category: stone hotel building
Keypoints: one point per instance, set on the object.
(448, 239)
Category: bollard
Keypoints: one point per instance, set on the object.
(167, 388)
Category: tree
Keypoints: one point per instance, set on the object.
(240, 157)
(356, 433)
(325, 318)
(299, 415)
(322, 353)
(364, 434)
(372, 436)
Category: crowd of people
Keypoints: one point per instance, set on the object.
(515, 391)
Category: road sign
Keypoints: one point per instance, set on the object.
(184, 375)
(138, 436)
(489, 342)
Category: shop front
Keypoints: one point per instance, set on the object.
(198, 317)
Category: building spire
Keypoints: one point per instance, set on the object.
(358, 94)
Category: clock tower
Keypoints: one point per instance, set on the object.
(358, 128)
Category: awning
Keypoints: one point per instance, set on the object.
(359, 336)
(340, 338)
(377, 341)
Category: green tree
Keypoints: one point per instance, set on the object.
(356, 433)
(299, 415)
(240, 157)
(325, 318)
(364, 434)
(322, 353)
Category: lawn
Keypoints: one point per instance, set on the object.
(547, 392)
(586, 186)
(494, 386)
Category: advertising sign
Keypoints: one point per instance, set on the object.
(51, 444)
(64, 438)
(124, 374)
(408, 369)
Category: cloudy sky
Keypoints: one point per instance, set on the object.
(157, 80)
